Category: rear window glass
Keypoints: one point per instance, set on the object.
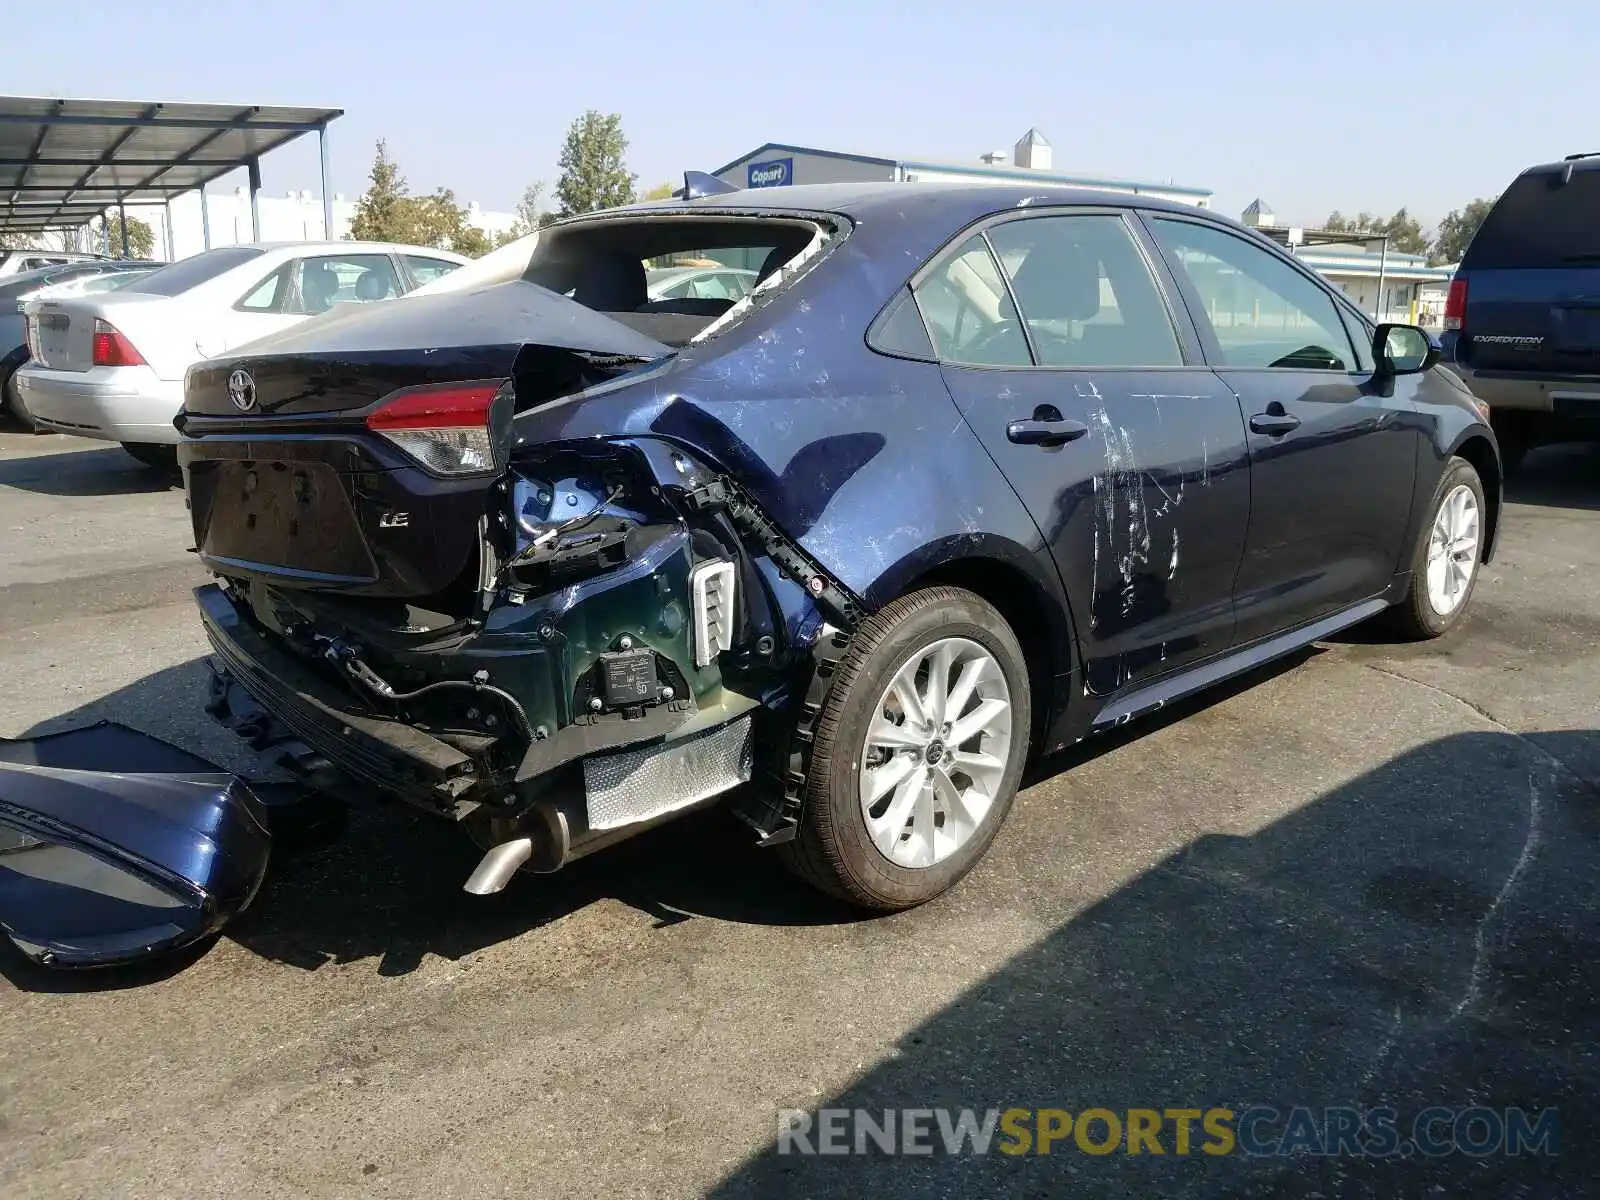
(192, 272)
(1541, 222)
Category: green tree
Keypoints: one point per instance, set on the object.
(141, 238)
(385, 212)
(388, 212)
(662, 191)
(593, 173)
(437, 220)
(531, 214)
(1406, 235)
(1457, 229)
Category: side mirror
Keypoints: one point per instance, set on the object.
(1403, 350)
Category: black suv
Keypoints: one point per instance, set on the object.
(1523, 318)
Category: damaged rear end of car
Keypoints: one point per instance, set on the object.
(457, 560)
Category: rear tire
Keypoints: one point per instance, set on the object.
(155, 455)
(896, 809)
(15, 405)
(1444, 566)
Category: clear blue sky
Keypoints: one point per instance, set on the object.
(1351, 106)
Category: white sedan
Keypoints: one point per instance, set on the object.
(112, 366)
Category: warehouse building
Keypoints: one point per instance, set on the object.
(777, 164)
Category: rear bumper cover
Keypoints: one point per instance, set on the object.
(116, 404)
(115, 846)
(1561, 398)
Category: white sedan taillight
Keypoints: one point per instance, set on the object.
(448, 428)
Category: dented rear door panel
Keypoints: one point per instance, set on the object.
(1145, 513)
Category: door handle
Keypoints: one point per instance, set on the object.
(1274, 424)
(1056, 431)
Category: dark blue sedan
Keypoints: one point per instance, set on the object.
(970, 474)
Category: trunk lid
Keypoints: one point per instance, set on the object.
(289, 484)
(1532, 276)
(61, 331)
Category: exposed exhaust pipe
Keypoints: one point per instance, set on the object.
(497, 867)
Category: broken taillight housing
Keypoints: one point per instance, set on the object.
(112, 347)
(448, 428)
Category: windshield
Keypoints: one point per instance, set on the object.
(1542, 222)
(192, 272)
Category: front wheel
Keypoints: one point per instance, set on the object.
(156, 455)
(1444, 562)
(917, 752)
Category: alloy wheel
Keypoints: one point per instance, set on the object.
(936, 752)
(1453, 549)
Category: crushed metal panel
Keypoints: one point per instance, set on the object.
(650, 782)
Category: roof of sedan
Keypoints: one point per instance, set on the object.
(957, 201)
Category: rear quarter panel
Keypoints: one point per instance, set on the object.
(862, 458)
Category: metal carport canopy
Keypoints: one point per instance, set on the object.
(64, 162)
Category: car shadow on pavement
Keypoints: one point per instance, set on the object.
(108, 472)
(383, 880)
(1425, 934)
(1565, 476)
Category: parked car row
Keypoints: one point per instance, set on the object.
(111, 364)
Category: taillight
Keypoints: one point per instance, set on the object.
(448, 428)
(1455, 304)
(113, 349)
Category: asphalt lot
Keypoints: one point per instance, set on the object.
(1366, 877)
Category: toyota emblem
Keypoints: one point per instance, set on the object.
(242, 390)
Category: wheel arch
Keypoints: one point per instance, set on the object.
(1036, 611)
(1478, 449)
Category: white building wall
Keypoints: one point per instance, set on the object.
(293, 217)
(1399, 300)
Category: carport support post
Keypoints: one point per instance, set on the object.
(122, 219)
(327, 196)
(1383, 263)
(166, 220)
(255, 199)
(205, 218)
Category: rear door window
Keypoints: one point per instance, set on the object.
(1086, 293)
(268, 295)
(1541, 222)
(968, 310)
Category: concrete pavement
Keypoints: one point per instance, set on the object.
(1365, 876)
